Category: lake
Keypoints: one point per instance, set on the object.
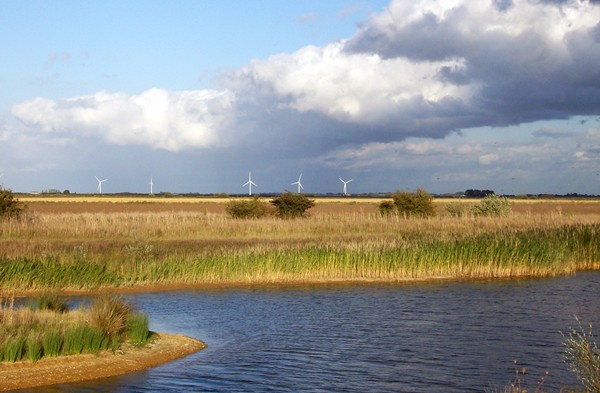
(426, 337)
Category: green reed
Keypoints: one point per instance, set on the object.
(408, 255)
(32, 334)
(14, 348)
(52, 342)
(35, 346)
(137, 328)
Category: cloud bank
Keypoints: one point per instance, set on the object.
(156, 117)
(420, 68)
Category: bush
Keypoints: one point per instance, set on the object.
(290, 205)
(387, 208)
(492, 206)
(419, 203)
(244, 208)
(9, 206)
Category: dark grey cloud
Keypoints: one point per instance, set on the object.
(522, 69)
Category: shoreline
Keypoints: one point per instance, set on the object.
(226, 285)
(163, 348)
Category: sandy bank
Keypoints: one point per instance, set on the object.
(48, 371)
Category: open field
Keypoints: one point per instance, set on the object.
(110, 204)
(118, 244)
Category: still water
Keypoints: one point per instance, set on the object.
(443, 337)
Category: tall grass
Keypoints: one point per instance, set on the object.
(86, 251)
(583, 357)
(31, 334)
(137, 326)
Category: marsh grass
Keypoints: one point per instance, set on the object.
(31, 334)
(520, 383)
(137, 328)
(582, 356)
(49, 301)
(89, 250)
(35, 347)
(52, 342)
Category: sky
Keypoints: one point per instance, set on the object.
(397, 95)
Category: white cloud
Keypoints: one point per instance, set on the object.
(419, 69)
(362, 88)
(487, 159)
(156, 117)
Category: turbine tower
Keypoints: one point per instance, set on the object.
(345, 185)
(151, 186)
(299, 184)
(249, 183)
(100, 184)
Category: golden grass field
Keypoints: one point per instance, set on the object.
(107, 204)
(91, 242)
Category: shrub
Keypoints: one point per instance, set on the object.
(492, 205)
(9, 206)
(252, 208)
(419, 203)
(387, 208)
(290, 205)
(582, 357)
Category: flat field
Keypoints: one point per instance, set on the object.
(110, 204)
(86, 243)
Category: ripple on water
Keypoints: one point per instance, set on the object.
(446, 337)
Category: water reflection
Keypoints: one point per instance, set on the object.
(444, 337)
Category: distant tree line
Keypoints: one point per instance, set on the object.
(478, 193)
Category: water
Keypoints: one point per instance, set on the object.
(444, 337)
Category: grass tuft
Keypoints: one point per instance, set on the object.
(35, 333)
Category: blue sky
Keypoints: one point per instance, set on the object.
(444, 95)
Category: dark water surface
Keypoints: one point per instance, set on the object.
(443, 337)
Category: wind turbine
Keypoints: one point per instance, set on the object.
(249, 183)
(299, 184)
(345, 184)
(151, 185)
(100, 184)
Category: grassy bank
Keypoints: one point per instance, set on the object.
(46, 328)
(121, 249)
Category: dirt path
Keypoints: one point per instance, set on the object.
(164, 348)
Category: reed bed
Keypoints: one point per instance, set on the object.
(31, 333)
(97, 250)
